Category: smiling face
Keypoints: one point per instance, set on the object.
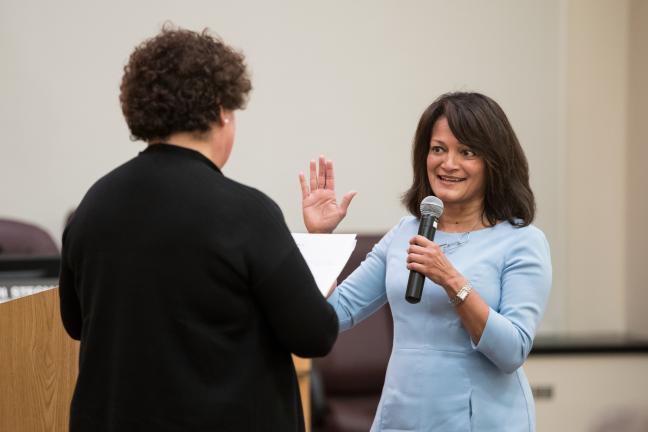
(455, 172)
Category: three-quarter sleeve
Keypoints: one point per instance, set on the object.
(526, 281)
(69, 301)
(364, 291)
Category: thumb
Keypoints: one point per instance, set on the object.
(346, 200)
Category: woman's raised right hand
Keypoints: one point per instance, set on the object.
(321, 211)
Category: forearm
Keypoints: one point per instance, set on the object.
(70, 311)
(473, 311)
(300, 317)
(70, 307)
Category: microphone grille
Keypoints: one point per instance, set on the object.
(432, 206)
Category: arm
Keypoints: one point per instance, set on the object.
(301, 318)
(361, 294)
(69, 301)
(284, 288)
(526, 282)
(426, 257)
(504, 336)
(364, 291)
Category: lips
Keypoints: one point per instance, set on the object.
(449, 179)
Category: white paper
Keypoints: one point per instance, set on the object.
(326, 255)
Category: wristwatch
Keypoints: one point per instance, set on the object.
(461, 294)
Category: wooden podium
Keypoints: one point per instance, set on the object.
(39, 366)
(303, 369)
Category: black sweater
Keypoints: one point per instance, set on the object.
(188, 294)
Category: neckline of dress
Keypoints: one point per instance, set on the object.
(460, 233)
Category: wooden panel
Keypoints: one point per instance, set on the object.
(303, 368)
(38, 365)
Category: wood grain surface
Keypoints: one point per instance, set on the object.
(38, 365)
(303, 368)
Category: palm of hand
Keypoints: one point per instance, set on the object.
(319, 206)
(321, 211)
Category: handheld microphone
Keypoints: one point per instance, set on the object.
(431, 210)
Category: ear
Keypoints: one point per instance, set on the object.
(225, 116)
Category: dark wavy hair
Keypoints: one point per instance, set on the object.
(178, 81)
(478, 122)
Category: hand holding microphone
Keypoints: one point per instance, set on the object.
(431, 210)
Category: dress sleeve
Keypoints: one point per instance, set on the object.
(363, 292)
(526, 281)
(69, 301)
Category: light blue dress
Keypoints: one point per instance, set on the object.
(437, 378)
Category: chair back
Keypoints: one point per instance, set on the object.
(22, 238)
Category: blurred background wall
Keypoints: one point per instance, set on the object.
(350, 80)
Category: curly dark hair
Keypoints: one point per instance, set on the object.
(178, 81)
(478, 122)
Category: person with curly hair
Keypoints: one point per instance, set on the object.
(459, 346)
(186, 288)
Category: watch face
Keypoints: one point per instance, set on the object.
(463, 292)
(461, 295)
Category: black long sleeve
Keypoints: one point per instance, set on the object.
(69, 302)
(299, 315)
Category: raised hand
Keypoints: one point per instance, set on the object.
(319, 205)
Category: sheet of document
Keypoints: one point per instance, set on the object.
(326, 255)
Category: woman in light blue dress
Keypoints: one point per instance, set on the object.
(457, 355)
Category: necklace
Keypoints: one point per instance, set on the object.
(450, 247)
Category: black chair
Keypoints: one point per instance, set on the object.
(23, 238)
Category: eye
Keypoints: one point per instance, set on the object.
(468, 153)
(436, 149)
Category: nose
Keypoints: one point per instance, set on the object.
(450, 161)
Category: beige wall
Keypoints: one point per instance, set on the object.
(637, 171)
(597, 71)
(607, 182)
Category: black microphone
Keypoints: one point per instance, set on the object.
(431, 210)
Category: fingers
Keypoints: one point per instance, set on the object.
(420, 240)
(321, 174)
(346, 200)
(304, 186)
(330, 182)
(429, 260)
(416, 250)
(313, 176)
(423, 253)
(416, 267)
(321, 178)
